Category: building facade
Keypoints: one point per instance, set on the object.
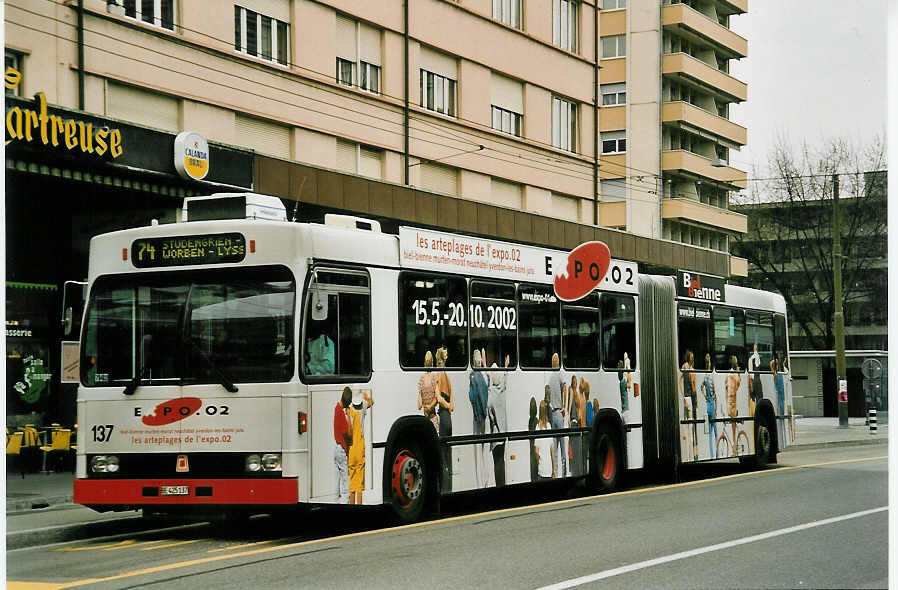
(547, 121)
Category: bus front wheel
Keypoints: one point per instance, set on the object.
(607, 460)
(408, 482)
(763, 446)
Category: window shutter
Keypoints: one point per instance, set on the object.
(369, 44)
(614, 190)
(263, 136)
(142, 107)
(370, 163)
(347, 159)
(439, 63)
(564, 207)
(346, 38)
(507, 94)
(440, 179)
(506, 194)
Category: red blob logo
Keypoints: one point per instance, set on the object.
(173, 410)
(585, 269)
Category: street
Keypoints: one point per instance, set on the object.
(816, 520)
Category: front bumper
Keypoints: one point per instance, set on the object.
(144, 492)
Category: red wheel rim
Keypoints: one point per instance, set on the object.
(406, 479)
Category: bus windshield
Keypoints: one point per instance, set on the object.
(198, 326)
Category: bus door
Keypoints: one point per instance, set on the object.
(336, 364)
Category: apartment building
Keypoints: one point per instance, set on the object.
(547, 121)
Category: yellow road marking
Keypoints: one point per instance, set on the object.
(232, 547)
(118, 545)
(175, 544)
(33, 586)
(133, 544)
(262, 550)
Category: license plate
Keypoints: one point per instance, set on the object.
(175, 491)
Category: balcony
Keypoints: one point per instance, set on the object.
(736, 6)
(704, 214)
(689, 22)
(683, 64)
(700, 167)
(692, 116)
(613, 214)
(738, 267)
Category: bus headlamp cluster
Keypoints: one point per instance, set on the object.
(104, 464)
(265, 462)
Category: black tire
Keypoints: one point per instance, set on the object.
(409, 473)
(606, 460)
(764, 454)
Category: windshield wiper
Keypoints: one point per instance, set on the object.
(222, 378)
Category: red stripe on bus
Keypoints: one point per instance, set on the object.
(224, 491)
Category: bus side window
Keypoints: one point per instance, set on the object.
(618, 332)
(433, 312)
(759, 340)
(694, 335)
(494, 322)
(729, 338)
(579, 329)
(337, 325)
(779, 342)
(539, 330)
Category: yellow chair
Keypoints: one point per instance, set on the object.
(32, 437)
(14, 450)
(60, 444)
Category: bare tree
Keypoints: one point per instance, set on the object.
(789, 239)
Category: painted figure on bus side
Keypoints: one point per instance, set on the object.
(623, 380)
(689, 401)
(575, 440)
(531, 427)
(557, 398)
(545, 453)
(710, 404)
(777, 368)
(589, 409)
(342, 440)
(446, 402)
(478, 393)
(755, 389)
(496, 413)
(356, 413)
(731, 386)
(427, 392)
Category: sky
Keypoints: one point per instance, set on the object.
(816, 69)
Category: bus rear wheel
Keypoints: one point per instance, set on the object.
(606, 461)
(408, 482)
(763, 446)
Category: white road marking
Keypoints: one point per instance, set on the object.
(693, 552)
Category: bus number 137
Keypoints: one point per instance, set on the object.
(102, 432)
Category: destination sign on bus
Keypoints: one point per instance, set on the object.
(188, 250)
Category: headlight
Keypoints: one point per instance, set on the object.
(104, 464)
(253, 463)
(271, 462)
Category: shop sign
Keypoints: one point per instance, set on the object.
(191, 155)
(701, 286)
(35, 125)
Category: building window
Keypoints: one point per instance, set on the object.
(566, 24)
(359, 159)
(614, 4)
(564, 124)
(437, 93)
(344, 71)
(614, 189)
(614, 46)
(614, 94)
(370, 77)
(614, 142)
(14, 60)
(508, 12)
(260, 36)
(160, 13)
(506, 121)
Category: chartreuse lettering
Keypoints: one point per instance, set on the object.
(54, 130)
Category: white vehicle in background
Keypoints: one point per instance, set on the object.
(215, 354)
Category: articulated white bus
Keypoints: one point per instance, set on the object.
(236, 362)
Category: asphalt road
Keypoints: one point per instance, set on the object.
(818, 520)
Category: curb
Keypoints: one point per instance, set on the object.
(835, 443)
(36, 502)
(73, 532)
